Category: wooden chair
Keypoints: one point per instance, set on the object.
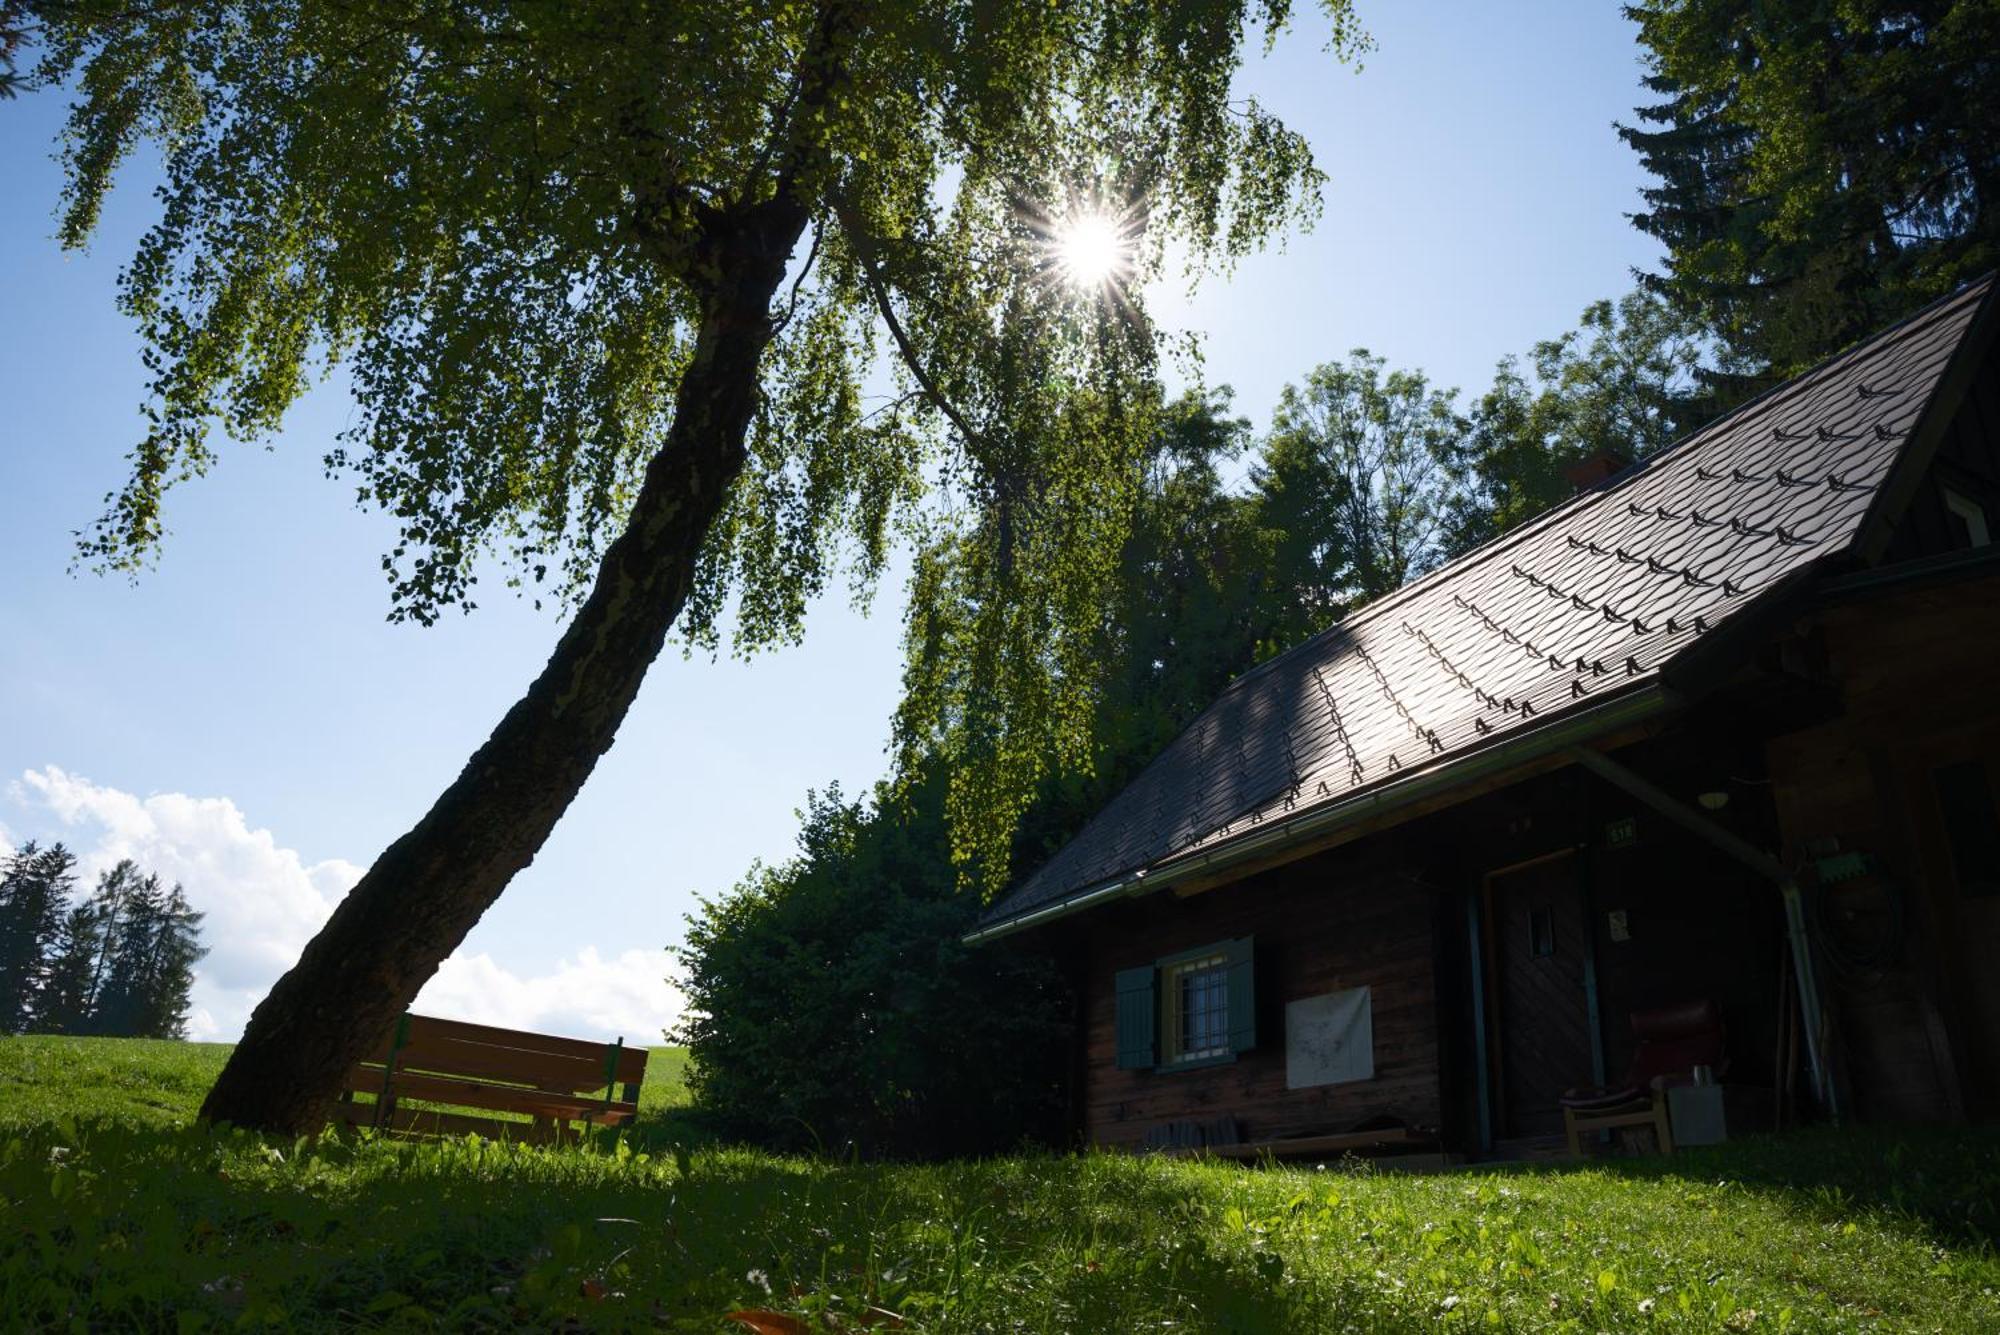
(1672, 1041)
(564, 1085)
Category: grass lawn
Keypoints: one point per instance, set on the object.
(119, 1214)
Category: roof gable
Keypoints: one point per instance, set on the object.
(1593, 598)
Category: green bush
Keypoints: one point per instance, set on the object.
(833, 1006)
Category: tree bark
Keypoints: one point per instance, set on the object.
(425, 892)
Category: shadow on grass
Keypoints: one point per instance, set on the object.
(660, 1130)
(149, 1226)
(139, 1225)
(1946, 1179)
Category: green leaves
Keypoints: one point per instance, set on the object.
(504, 222)
(1629, 380)
(831, 1003)
(1356, 472)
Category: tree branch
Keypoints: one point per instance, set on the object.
(893, 405)
(792, 303)
(879, 290)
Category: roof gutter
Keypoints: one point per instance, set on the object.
(1559, 735)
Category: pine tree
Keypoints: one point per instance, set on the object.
(32, 893)
(121, 963)
(121, 1004)
(150, 958)
(110, 906)
(64, 1005)
(1820, 169)
(175, 942)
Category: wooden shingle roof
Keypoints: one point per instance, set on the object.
(1594, 598)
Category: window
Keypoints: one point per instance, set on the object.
(1967, 519)
(1194, 1008)
(1541, 931)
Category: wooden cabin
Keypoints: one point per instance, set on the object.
(1723, 727)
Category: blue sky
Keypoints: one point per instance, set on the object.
(244, 718)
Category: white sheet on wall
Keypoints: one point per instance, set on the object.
(1330, 1039)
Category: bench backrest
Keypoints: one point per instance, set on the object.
(426, 1069)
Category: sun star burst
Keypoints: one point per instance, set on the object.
(1092, 249)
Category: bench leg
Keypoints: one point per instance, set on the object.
(1570, 1131)
(1662, 1124)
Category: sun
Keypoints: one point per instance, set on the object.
(1092, 250)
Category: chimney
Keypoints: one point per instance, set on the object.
(1594, 469)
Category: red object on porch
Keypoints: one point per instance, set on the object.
(1672, 1041)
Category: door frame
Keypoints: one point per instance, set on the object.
(1487, 1019)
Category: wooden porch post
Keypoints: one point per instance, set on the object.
(1484, 1083)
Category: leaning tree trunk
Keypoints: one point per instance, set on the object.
(425, 892)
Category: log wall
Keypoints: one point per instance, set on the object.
(1334, 921)
(1918, 1030)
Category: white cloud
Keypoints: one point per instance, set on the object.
(264, 902)
(589, 996)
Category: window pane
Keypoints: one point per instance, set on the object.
(1541, 932)
(1197, 1009)
(1205, 1003)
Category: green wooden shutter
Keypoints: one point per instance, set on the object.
(1138, 1014)
(1241, 955)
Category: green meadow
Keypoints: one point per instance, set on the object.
(122, 1213)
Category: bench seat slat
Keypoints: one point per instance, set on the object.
(428, 1122)
(450, 1054)
(500, 1098)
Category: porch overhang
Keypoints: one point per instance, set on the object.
(1763, 864)
(1378, 807)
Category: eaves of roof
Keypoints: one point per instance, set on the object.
(1517, 751)
(1924, 572)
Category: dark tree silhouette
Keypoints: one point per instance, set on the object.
(33, 888)
(1820, 170)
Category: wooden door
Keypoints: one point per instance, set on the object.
(1541, 1039)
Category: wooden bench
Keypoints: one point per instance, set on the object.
(564, 1085)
